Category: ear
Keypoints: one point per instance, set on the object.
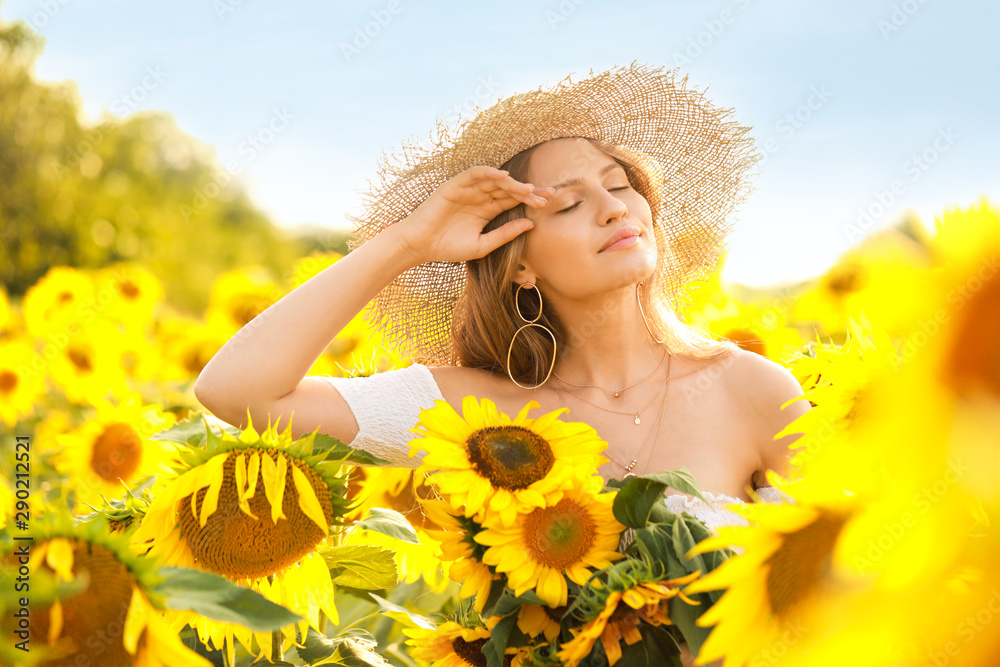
(524, 274)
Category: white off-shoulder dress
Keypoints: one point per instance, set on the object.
(388, 404)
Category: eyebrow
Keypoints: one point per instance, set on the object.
(574, 181)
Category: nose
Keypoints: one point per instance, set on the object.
(613, 208)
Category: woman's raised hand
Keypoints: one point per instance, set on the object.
(448, 225)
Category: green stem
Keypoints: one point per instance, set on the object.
(277, 639)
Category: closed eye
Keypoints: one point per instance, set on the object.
(570, 208)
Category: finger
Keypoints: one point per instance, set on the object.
(474, 175)
(532, 196)
(503, 234)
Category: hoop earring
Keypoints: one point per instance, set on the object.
(530, 323)
(643, 314)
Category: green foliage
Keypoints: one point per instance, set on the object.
(389, 522)
(363, 567)
(133, 188)
(214, 596)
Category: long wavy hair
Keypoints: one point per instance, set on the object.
(486, 319)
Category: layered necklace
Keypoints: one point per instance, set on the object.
(619, 392)
(636, 415)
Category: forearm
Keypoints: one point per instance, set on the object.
(271, 354)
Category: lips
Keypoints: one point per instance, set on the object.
(619, 234)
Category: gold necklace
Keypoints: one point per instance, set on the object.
(659, 422)
(636, 415)
(619, 391)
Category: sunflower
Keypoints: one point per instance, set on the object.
(88, 366)
(491, 464)
(58, 302)
(643, 602)
(886, 273)
(448, 645)
(835, 380)
(20, 385)
(239, 296)
(537, 619)
(562, 539)
(254, 509)
(111, 622)
(130, 293)
(113, 449)
(398, 489)
(452, 645)
(785, 568)
(762, 330)
(186, 345)
(457, 547)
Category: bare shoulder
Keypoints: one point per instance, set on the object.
(767, 390)
(458, 381)
(760, 379)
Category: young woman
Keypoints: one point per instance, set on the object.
(561, 209)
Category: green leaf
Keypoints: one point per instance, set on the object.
(401, 614)
(683, 542)
(684, 616)
(215, 597)
(338, 451)
(638, 495)
(495, 647)
(389, 522)
(194, 430)
(361, 566)
(656, 648)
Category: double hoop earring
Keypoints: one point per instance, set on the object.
(530, 323)
(641, 312)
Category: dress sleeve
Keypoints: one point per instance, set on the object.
(386, 406)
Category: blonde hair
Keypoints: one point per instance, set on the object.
(486, 319)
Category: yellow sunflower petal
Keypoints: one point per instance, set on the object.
(55, 622)
(273, 475)
(59, 556)
(308, 502)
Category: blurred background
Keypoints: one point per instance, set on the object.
(264, 121)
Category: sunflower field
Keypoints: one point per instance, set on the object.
(138, 529)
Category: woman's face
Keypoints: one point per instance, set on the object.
(593, 199)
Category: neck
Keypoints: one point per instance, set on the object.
(607, 343)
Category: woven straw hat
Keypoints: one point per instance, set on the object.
(698, 159)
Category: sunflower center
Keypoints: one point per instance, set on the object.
(470, 652)
(974, 362)
(117, 453)
(129, 290)
(94, 619)
(80, 359)
(511, 457)
(244, 310)
(555, 613)
(800, 563)
(197, 356)
(8, 381)
(239, 546)
(846, 280)
(561, 535)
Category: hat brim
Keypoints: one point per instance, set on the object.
(698, 158)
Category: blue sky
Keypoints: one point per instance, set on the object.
(856, 105)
